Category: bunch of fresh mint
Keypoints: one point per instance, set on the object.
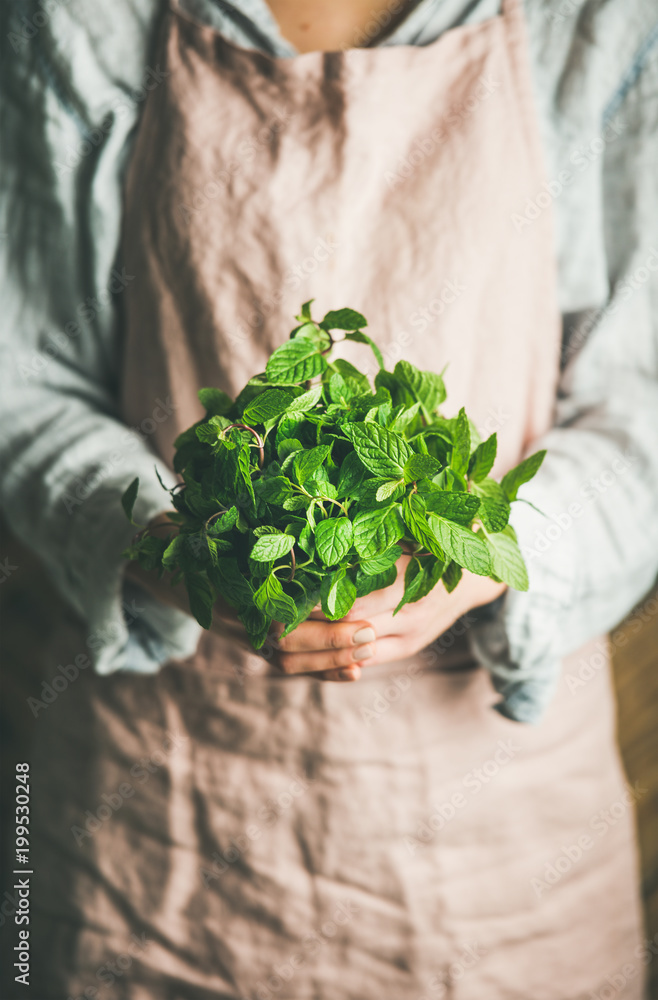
(311, 484)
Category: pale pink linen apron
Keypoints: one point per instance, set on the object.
(396, 838)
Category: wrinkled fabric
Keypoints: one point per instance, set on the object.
(279, 836)
(223, 836)
(72, 93)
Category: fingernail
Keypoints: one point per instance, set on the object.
(364, 635)
(363, 652)
(349, 673)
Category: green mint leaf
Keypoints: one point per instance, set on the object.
(462, 545)
(522, 473)
(357, 381)
(128, 500)
(173, 552)
(420, 467)
(338, 594)
(455, 506)
(508, 563)
(382, 451)
(257, 625)
(415, 518)
(424, 386)
(305, 402)
(215, 401)
(231, 583)
(210, 431)
(421, 577)
(215, 546)
(366, 494)
(147, 551)
(494, 506)
(343, 319)
(271, 403)
(305, 312)
(376, 530)
(352, 472)
(482, 459)
(404, 419)
(461, 434)
(368, 583)
(272, 547)
(307, 600)
(308, 462)
(362, 338)
(295, 361)
(273, 601)
(200, 597)
(287, 447)
(452, 574)
(413, 579)
(244, 471)
(333, 539)
(364, 404)
(382, 563)
(387, 489)
(296, 502)
(340, 390)
(273, 489)
(315, 333)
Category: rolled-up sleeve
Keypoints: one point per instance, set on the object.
(65, 453)
(592, 552)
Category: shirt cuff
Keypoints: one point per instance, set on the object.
(128, 628)
(518, 637)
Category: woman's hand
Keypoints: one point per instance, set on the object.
(330, 649)
(388, 637)
(367, 636)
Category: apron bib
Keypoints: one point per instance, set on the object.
(393, 839)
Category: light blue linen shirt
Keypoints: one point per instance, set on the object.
(76, 74)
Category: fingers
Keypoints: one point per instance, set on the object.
(380, 601)
(333, 651)
(314, 635)
(325, 660)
